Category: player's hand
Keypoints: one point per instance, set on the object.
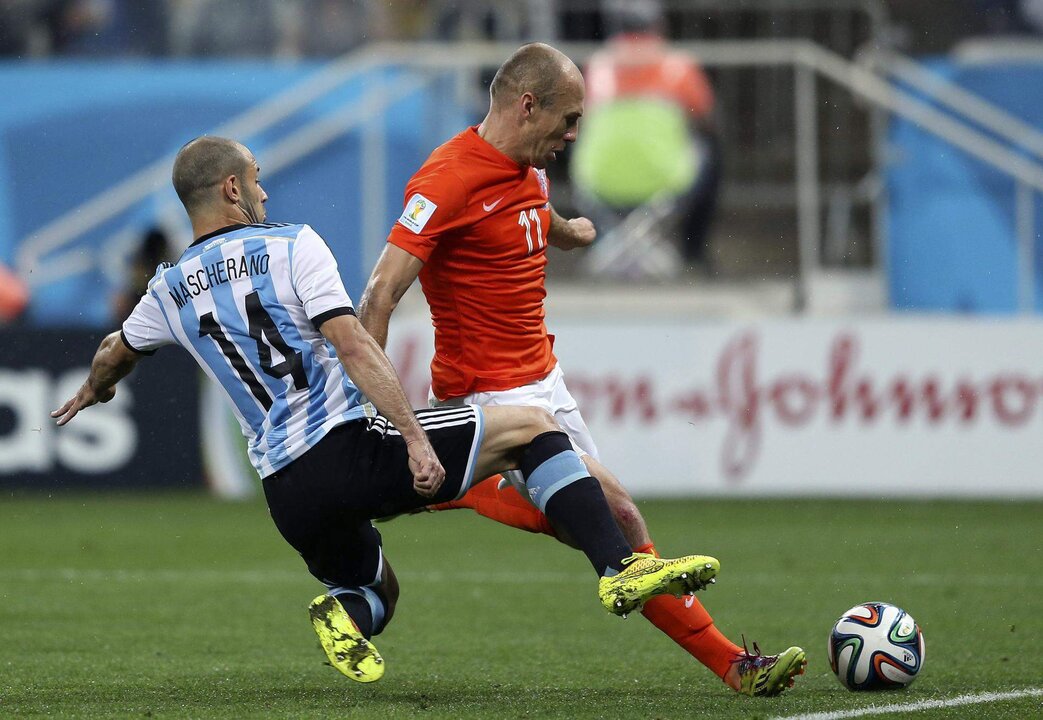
(582, 232)
(428, 473)
(84, 398)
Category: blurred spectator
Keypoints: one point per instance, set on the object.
(14, 295)
(504, 20)
(1032, 14)
(648, 131)
(17, 20)
(83, 27)
(1010, 17)
(231, 28)
(327, 28)
(155, 248)
(409, 19)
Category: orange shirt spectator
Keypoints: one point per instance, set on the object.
(641, 64)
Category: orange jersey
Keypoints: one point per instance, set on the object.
(479, 221)
(644, 65)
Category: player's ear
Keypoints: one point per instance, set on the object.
(528, 104)
(230, 188)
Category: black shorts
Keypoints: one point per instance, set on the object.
(323, 501)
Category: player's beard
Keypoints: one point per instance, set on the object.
(248, 207)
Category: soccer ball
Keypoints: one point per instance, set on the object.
(876, 646)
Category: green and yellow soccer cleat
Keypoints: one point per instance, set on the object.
(645, 576)
(345, 646)
(769, 675)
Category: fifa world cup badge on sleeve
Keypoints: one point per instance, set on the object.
(418, 211)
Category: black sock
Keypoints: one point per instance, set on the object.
(579, 508)
(357, 607)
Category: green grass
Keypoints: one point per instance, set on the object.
(181, 606)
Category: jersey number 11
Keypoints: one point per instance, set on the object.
(525, 220)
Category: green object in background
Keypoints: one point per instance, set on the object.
(631, 150)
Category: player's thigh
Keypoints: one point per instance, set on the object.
(508, 430)
(305, 500)
(382, 480)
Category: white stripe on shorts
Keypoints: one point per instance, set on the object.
(431, 419)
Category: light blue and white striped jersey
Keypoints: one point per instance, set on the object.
(246, 302)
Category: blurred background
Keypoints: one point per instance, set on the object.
(817, 273)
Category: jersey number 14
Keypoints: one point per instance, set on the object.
(261, 328)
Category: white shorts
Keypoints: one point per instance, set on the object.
(550, 394)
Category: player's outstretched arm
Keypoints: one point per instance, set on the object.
(570, 234)
(395, 272)
(113, 362)
(372, 372)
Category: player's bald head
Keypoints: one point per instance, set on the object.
(204, 163)
(535, 68)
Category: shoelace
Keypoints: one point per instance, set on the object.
(755, 659)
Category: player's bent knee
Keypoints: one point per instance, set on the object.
(539, 421)
(509, 428)
(550, 464)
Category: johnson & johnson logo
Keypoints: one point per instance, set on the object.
(844, 392)
(739, 393)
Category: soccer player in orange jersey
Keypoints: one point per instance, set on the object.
(475, 228)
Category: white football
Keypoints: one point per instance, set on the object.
(876, 646)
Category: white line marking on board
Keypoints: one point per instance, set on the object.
(916, 706)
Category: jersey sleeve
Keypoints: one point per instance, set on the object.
(316, 280)
(435, 203)
(146, 330)
(691, 85)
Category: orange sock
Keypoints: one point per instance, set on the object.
(684, 620)
(687, 623)
(502, 505)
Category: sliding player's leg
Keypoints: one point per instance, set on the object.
(321, 504)
(685, 621)
(342, 551)
(560, 485)
(349, 613)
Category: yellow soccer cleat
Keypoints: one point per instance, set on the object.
(645, 576)
(769, 675)
(345, 646)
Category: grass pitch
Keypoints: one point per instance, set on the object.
(181, 606)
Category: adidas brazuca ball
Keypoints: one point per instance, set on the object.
(876, 646)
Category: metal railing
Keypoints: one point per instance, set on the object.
(809, 62)
(47, 241)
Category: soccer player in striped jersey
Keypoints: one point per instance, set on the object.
(475, 229)
(262, 309)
